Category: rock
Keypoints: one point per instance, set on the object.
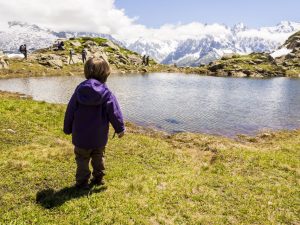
(216, 67)
(122, 59)
(56, 63)
(247, 72)
(93, 49)
(258, 61)
(265, 135)
(259, 70)
(100, 54)
(144, 70)
(290, 56)
(237, 74)
(75, 43)
(221, 73)
(4, 64)
(10, 131)
(111, 45)
(257, 75)
(89, 43)
(134, 59)
(294, 44)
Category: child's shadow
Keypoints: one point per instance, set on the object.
(49, 198)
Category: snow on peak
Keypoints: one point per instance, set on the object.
(239, 27)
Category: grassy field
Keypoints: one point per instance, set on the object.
(152, 178)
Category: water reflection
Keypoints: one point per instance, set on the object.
(178, 102)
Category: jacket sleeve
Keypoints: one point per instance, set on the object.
(114, 114)
(69, 115)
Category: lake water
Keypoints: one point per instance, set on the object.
(179, 102)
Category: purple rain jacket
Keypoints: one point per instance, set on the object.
(89, 112)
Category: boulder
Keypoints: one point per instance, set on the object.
(215, 67)
(134, 59)
(75, 43)
(144, 70)
(56, 63)
(122, 59)
(290, 56)
(237, 74)
(258, 61)
(247, 72)
(95, 49)
(4, 63)
(89, 43)
(111, 45)
(50, 60)
(100, 54)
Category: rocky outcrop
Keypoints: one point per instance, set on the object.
(291, 62)
(4, 64)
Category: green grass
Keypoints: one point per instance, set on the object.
(151, 178)
(30, 68)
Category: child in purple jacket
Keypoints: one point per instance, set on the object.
(90, 110)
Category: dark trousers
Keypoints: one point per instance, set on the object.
(83, 58)
(83, 158)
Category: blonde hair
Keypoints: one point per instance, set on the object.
(97, 69)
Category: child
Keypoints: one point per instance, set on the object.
(87, 118)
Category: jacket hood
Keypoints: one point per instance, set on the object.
(92, 92)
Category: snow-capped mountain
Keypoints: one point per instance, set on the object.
(211, 46)
(211, 42)
(22, 33)
(36, 37)
(157, 49)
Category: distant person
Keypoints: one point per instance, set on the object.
(25, 51)
(83, 55)
(71, 53)
(90, 110)
(21, 48)
(60, 45)
(147, 60)
(144, 60)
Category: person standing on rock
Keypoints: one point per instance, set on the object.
(144, 60)
(25, 51)
(71, 56)
(147, 60)
(83, 54)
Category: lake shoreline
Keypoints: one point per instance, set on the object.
(159, 132)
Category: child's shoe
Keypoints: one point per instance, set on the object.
(97, 181)
(82, 186)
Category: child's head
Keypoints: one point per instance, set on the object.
(97, 69)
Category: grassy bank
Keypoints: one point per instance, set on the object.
(31, 68)
(151, 178)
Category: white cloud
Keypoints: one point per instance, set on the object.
(102, 16)
(72, 15)
(96, 15)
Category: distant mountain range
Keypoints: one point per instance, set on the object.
(187, 52)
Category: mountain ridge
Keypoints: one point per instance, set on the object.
(191, 51)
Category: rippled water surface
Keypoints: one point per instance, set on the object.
(178, 102)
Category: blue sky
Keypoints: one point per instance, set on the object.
(254, 13)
